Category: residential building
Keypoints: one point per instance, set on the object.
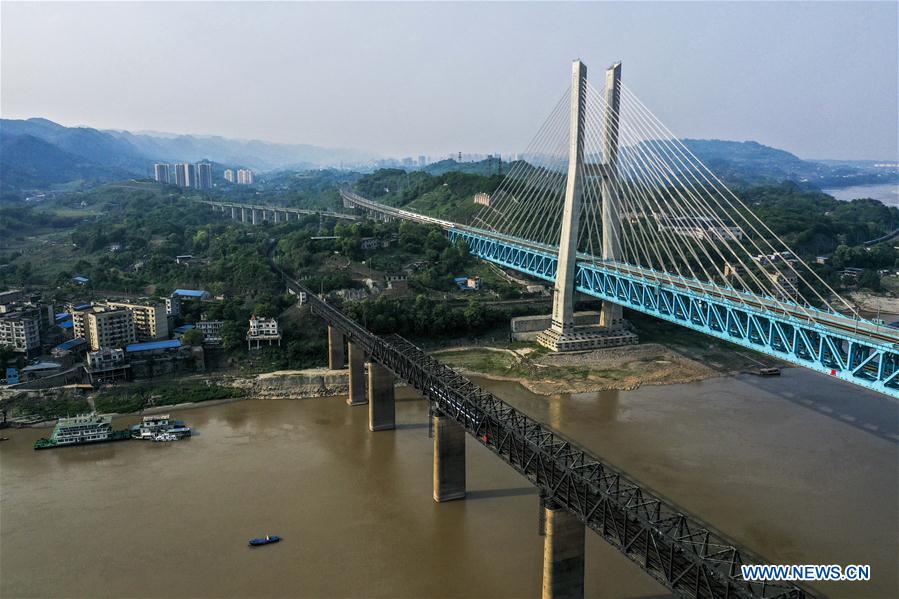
(482, 199)
(211, 329)
(786, 283)
(181, 175)
(12, 295)
(161, 172)
(699, 228)
(263, 329)
(204, 175)
(186, 175)
(229, 175)
(104, 326)
(150, 321)
(106, 365)
(173, 306)
(20, 331)
(105, 358)
(244, 176)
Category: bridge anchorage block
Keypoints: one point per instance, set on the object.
(583, 337)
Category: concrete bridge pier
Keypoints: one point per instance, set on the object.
(255, 215)
(233, 213)
(356, 360)
(277, 216)
(335, 349)
(563, 554)
(243, 215)
(449, 458)
(381, 403)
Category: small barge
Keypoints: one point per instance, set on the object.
(266, 540)
(82, 430)
(160, 428)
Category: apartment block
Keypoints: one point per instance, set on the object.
(150, 320)
(104, 326)
(20, 331)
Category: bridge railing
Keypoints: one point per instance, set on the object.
(673, 547)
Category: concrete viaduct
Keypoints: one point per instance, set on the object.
(257, 213)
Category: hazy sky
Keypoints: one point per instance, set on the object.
(818, 79)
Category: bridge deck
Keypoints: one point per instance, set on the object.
(857, 351)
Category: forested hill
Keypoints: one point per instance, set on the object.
(449, 195)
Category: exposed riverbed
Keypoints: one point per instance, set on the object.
(797, 468)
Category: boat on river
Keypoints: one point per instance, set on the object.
(81, 430)
(152, 427)
(266, 540)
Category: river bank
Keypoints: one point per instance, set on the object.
(620, 368)
(154, 397)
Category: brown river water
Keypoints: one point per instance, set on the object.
(797, 468)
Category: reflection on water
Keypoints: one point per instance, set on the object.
(790, 467)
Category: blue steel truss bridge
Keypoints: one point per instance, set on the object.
(607, 202)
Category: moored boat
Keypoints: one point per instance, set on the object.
(266, 540)
(81, 430)
(151, 427)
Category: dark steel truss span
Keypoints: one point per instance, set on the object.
(672, 547)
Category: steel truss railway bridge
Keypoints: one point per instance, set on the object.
(577, 489)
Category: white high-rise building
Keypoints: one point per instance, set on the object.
(229, 175)
(161, 172)
(244, 176)
(204, 175)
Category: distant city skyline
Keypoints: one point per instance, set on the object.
(410, 79)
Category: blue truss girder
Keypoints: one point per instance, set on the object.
(855, 359)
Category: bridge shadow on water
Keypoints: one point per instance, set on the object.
(493, 493)
(865, 410)
(411, 425)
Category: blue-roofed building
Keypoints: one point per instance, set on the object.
(191, 294)
(66, 324)
(72, 346)
(78, 279)
(183, 329)
(153, 346)
(62, 316)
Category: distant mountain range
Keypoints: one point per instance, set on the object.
(39, 154)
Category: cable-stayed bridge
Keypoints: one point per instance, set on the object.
(606, 201)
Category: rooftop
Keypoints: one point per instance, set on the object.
(189, 293)
(71, 343)
(42, 366)
(153, 345)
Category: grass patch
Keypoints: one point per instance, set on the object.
(129, 399)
